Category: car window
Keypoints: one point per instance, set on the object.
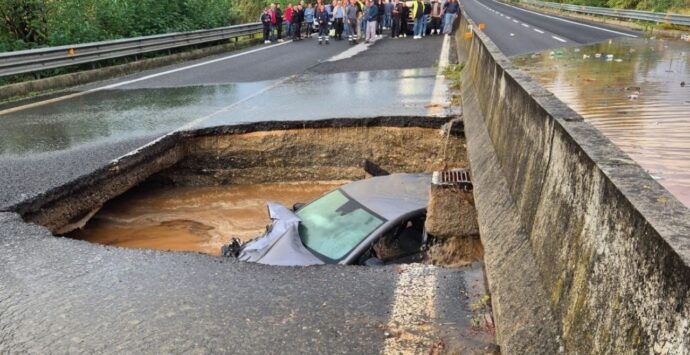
(404, 240)
(334, 224)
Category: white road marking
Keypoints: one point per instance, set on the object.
(409, 329)
(538, 30)
(568, 21)
(516, 21)
(559, 39)
(438, 96)
(200, 119)
(508, 17)
(147, 77)
(525, 25)
(351, 52)
(512, 34)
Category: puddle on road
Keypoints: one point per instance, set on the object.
(198, 219)
(635, 98)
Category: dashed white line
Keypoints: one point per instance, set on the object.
(516, 21)
(525, 25)
(538, 31)
(558, 39)
(508, 17)
(573, 22)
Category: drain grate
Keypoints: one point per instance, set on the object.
(452, 178)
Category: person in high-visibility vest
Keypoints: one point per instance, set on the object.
(418, 16)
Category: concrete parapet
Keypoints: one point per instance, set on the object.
(610, 246)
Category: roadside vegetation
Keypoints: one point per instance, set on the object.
(26, 24)
(676, 6)
(453, 73)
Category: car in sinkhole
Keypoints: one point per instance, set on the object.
(375, 221)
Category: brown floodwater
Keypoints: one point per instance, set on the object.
(634, 96)
(198, 219)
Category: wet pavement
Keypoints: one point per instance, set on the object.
(200, 219)
(634, 97)
(385, 93)
(44, 146)
(113, 115)
(64, 295)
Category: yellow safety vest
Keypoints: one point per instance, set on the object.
(415, 8)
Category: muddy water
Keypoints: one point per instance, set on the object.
(635, 98)
(198, 219)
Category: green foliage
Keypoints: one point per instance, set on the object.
(647, 5)
(453, 73)
(34, 23)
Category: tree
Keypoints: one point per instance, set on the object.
(24, 21)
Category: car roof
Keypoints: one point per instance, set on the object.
(391, 196)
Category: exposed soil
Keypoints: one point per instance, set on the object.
(313, 155)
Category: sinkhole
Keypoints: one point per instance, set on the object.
(197, 191)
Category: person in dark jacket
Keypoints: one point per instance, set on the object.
(266, 21)
(451, 9)
(379, 18)
(396, 24)
(426, 17)
(322, 18)
(372, 15)
(404, 17)
(297, 18)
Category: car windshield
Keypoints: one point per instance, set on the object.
(334, 224)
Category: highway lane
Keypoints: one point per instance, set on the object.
(46, 144)
(518, 31)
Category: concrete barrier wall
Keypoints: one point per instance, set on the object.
(608, 246)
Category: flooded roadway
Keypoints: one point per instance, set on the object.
(634, 97)
(198, 219)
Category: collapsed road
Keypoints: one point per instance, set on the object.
(69, 295)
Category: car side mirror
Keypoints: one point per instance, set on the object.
(297, 206)
(374, 262)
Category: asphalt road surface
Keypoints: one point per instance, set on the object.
(43, 145)
(516, 31)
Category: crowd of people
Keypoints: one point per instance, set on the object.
(359, 19)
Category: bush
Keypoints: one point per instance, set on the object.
(34, 23)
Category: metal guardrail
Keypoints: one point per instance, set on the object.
(27, 61)
(650, 16)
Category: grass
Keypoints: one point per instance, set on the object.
(453, 72)
(481, 309)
